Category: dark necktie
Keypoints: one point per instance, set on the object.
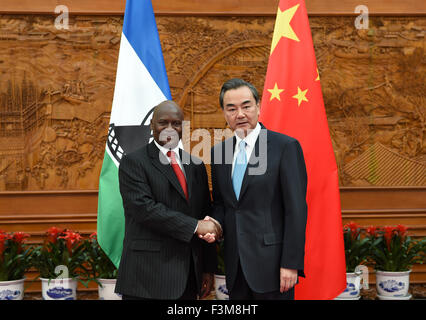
(178, 172)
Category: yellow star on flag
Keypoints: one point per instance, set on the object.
(300, 96)
(282, 26)
(317, 79)
(275, 92)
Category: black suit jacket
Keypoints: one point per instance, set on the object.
(265, 228)
(159, 225)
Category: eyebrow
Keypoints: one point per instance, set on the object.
(233, 105)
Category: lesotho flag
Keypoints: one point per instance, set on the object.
(141, 84)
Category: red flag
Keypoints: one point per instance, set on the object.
(292, 104)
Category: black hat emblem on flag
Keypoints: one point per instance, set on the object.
(125, 139)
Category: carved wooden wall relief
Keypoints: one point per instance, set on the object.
(56, 90)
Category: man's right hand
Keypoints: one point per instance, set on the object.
(209, 229)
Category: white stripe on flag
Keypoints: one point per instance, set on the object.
(135, 92)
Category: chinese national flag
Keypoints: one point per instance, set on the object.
(292, 104)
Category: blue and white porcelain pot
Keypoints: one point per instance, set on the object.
(106, 290)
(12, 290)
(220, 287)
(59, 289)
(353, 285)
(392, 284)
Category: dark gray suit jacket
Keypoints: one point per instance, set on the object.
(159, 226)
(265, 228)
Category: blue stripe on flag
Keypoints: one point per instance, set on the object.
(140, 29)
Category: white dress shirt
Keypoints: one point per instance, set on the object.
(250, 141)
(175, 150)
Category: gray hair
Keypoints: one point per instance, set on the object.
(235, 84)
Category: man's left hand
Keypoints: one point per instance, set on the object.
(288, 279)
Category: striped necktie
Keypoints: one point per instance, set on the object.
(178, 171)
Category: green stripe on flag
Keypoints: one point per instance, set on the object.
(110, 211)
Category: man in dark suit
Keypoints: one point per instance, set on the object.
(165, 196)
(259, 197)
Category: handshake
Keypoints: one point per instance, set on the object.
(209, 229)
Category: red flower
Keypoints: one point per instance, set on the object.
(371, 230)
(19, 238)
(401, 230)
(354, 229)
(94, 236)
(71, 238)
(3, 238)
(53, 234)
(388, 234)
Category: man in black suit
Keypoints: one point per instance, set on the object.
(165, 196)
(259, 197)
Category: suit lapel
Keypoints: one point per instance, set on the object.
(255, 153)
(166, 169)
(188, 172)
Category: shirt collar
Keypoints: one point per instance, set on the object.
(165, 150)
(251, 138)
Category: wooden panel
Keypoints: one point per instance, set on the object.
(417, 275)
(56, 89)
(269, 7)
(35, 212)
(383, 198)
(48, 202)
(386, 206)
(414, 219)
(215, 7)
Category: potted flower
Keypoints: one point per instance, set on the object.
(356, 253)
(15, 260)
(103, 271)
(219, 277)
(393, 253)
(60, 261)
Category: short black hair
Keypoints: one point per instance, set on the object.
(235, 84)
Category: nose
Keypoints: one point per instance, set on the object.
(240, 113)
